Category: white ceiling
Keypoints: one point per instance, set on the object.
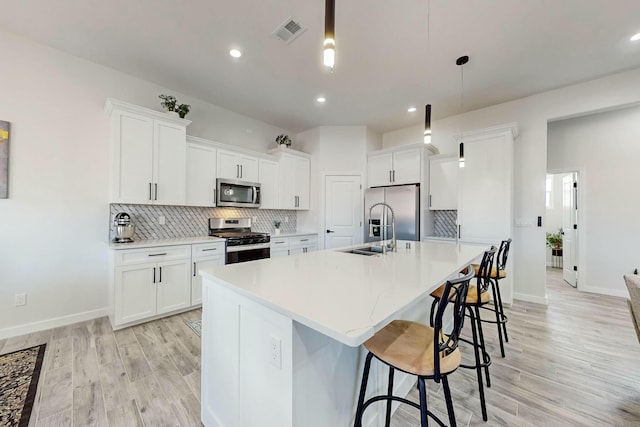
(383, 61)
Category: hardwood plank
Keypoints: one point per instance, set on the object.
(187, 409)
(125, 415)
(106, 349)
(59, 419)
(59, 353)
(151, 345)
(115, 385)
(194, 379)
(88, 406)
(134, 362)
(85, 366)
(153, 405)
(56, 392)
(170, 379)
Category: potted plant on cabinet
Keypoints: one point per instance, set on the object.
(283, 141)
(276, 225)
(554, 241)
(170, 105)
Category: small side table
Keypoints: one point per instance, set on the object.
(556, 257)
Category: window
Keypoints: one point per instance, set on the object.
(549, 192)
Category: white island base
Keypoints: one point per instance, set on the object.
(281, 342)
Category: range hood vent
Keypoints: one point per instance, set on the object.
(289, 30)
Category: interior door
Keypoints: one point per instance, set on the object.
(343, 207)
(569, 225)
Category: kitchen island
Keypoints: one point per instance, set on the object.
(282, 337)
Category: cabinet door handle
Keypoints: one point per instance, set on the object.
(154, 275)
(150, 192)
(390, 179)
(304, 240)
(194, 269)
(237, 171)
(429, 200)
(164, 253)
(394, 176)
(288, 252)
(156, 184)
(160, 279)
(241, 171)
(458, 231)
(215, 198)
(209, 249)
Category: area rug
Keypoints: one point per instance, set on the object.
(19, 374)
(196, 325)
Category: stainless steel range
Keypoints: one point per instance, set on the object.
(242, 243)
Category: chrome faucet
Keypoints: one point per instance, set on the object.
(392, 246)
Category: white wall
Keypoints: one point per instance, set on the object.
(530, 157)
(54, 225)
(605, 148)
(334, 149)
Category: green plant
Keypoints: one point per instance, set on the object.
(170, 103)
(183, 110)
(283, 139)
(277, 224)
(554, 240)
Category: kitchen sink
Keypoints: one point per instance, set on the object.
(367, 251)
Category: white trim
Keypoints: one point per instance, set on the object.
(42, 325)
(622, 293)
(511, 128)
(114, 104)
(531, 298)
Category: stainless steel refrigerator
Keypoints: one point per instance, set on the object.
(405, 201)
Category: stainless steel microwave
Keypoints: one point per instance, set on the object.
(237, 194)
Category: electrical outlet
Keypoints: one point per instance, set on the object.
(162, 220)
(254, 219)
(286, 219)
(20, 299)
(275, 352)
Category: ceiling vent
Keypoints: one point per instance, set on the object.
(289, 30)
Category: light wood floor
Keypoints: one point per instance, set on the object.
(573, 363)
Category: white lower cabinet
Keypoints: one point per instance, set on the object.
(293, 245)
(150, 282)
(204, 256)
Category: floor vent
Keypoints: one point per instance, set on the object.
(289, 30)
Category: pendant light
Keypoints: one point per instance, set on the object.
(427, 124)
(427, 108)
(329, 52)
(461, 62)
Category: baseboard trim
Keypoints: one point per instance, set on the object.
(531, 298)
(622, 293)
(42, 325)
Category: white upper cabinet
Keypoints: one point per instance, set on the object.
(443, 183)
(201, 174)
(485, 206)
(268, 184)
(148, 155)
(397, 167)
(294, 182)
(237, 166)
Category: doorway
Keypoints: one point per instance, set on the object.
(562, 222)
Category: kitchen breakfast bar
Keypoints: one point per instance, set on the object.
(282, 338)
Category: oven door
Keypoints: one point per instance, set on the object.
(237, 193)
(244, 253)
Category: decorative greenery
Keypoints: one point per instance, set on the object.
(283, 139)
(554, 240)
(277, 224)
(170, 103)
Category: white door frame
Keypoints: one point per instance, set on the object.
(321, 209)
(582, 221)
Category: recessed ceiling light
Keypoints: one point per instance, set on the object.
(321, 99)
(412, 109)
(235, 53)
(635, 37)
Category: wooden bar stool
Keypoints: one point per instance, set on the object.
(498, 273)
(477, 297)
(420, 350)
